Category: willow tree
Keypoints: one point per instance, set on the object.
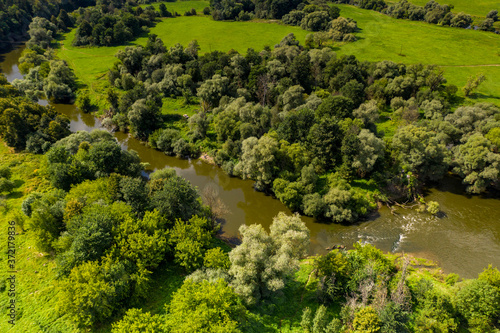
(262, 263)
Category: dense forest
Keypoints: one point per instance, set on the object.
(299, 120)
(305, 123)
(109, 229)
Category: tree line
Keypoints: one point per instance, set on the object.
(432, 12)
(102, 26)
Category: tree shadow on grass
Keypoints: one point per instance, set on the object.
(477, 96)
(171, 117)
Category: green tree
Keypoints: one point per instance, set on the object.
(144, 244)
(477, 164)
(263, 261)
(136, 321)
(472, 84)
(190, 241)
(324, 141)
(315, 21)
(176, 198)
(371, 149)
(134, 192)
(41, 32)
(289, 193)
(60, 82)
(478, 302)
(83, 102)
(313, 205)
(335, 270)
(216, 258)
(366, 320)
(212, 90)
(204, 307)
(492, 276)
(435, 313)
(421, 152)
(339, 107)
(493, 14)
(90, 235)
(342, 29)
(94, 291)
(258, 160)
(144, 117)
(368, 112)
(163, 10)
(293, 97)
(47, 218)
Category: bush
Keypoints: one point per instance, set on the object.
(5, 172)
(83, 102)
(478, 302)
(6, 185)
(366, 321)
(216, 258)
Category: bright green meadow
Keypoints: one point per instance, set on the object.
(460, 52)
(477, 7)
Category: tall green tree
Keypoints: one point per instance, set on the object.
(204, 307)
(261, 264)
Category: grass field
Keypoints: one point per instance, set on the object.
(478, 7)
(384, 38)
(36, 294)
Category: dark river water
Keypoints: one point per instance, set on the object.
(464, 240)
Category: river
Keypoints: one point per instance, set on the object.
(464, 239)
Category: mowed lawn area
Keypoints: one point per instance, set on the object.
(473, 7)
(460, 52)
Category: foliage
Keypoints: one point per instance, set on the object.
(366, 321)
(263, 261)
(93, 291)
(20, 119)
(491, 275)
(176, 198)
(258, 160)
(190, 241)
(420, 151)
(136, 321)
(478, 302)
(204, 307)
(475, 161)
(472, 84)
(112, 27)
(435, 313)
(216, 258)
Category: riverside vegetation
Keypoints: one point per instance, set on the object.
(329, 135)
